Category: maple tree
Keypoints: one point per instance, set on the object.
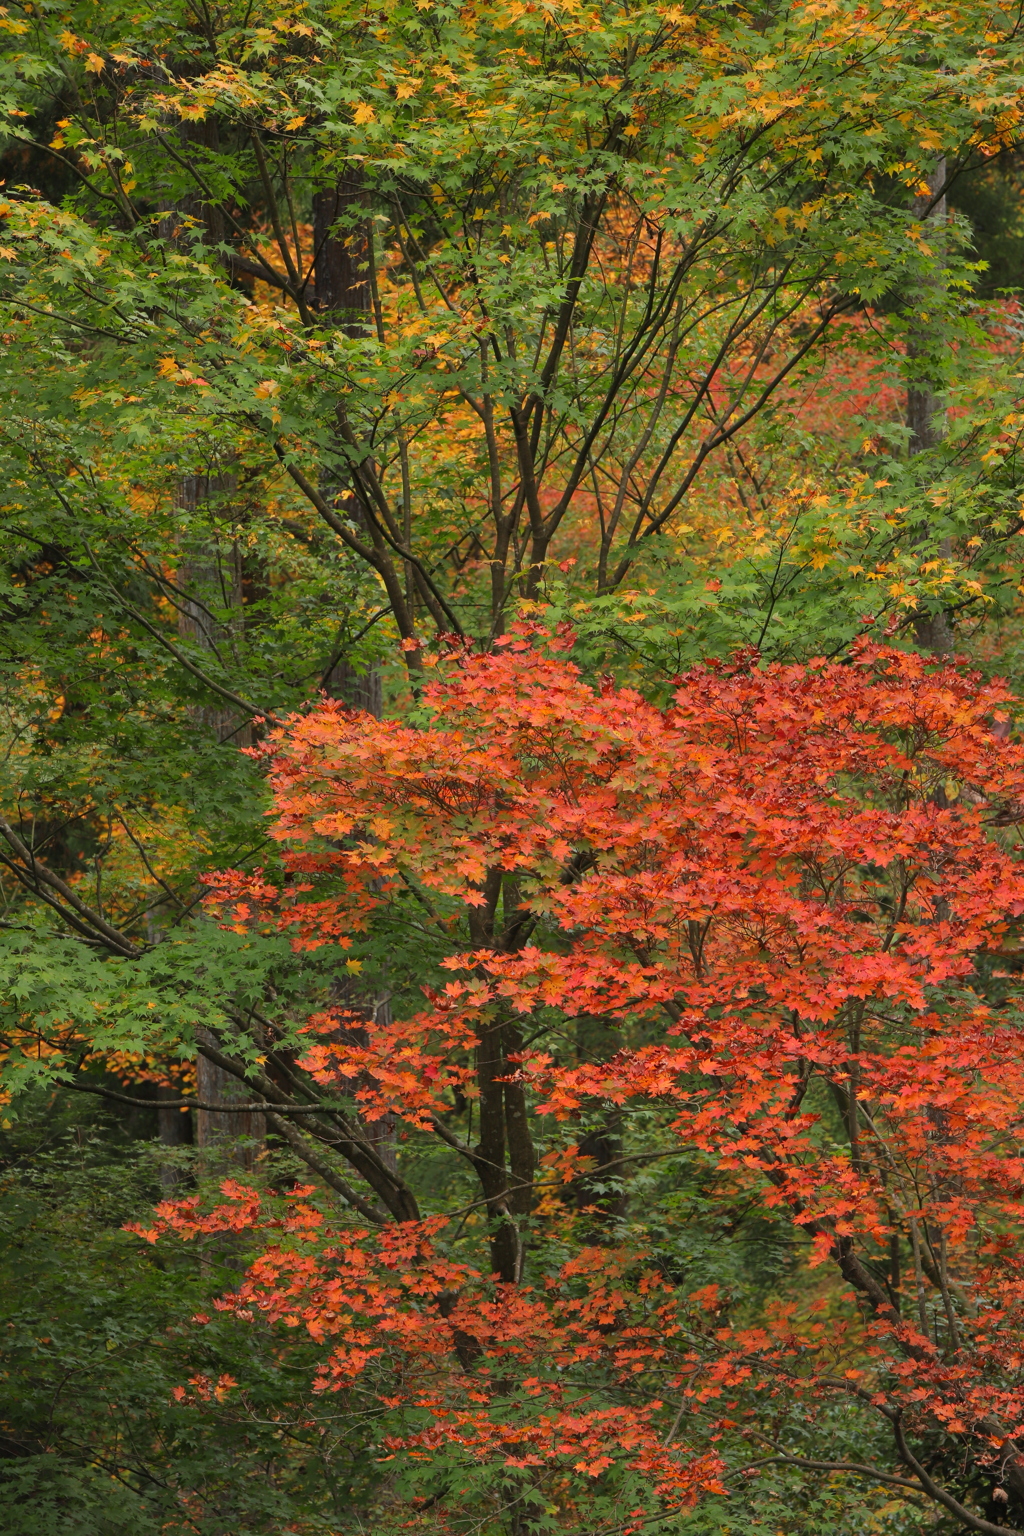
(328, 334)
(791, 901)
(464, 290)
(94, 1340)
(315, 343)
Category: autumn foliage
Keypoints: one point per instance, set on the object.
(591, 1092)
(795, 893)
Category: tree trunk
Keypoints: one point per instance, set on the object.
(207, 583)
(229, 1141)
(924, 417)
(342, 256)
(210, 583)
(175, 1131)
(177, 215)
(210, 578)
(344, 297)
(924, 414)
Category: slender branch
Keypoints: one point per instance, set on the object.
(932, 1489)
(384, 1181)
(313, 1160)
(834, 1466)
(41, 874)
(263, 273)
(383, 567)
(246, 705)
(173, 896)
(233, 1108)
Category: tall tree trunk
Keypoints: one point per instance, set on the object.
(924, 414)
(224, 1138)
(174, 1128)
(176, 215)
(228, 1140)
(924, 417)
(209, 583)
(212, 581)
(344, 296)
(210, 578)
(342, 254)
(602, 1145)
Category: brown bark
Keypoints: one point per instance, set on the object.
(210, 578)
(209, 583)
(489, 1156)
(334, 1129)
(228, 1140)
(521, 1154)
(194, 208)
(342, 255)
(925, 419)
(359, 689)
(174, 1129)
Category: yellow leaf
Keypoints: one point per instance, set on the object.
(94, 64)
(364, 113)
(296, 122)
(630, 132)
(407, 88)
(267, 388)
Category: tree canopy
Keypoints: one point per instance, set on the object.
(511, 775)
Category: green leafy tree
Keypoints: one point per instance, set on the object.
(329, 332)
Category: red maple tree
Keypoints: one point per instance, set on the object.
(795, 892)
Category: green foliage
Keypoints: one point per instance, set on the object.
(989, 195)
(600, 271)
(97, 1334)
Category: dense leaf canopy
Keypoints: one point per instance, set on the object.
(495, 845)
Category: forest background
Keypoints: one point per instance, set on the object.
(491, 833)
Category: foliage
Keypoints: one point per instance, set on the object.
(758, 931)
(586, 251)
(330, 334)
(98, 1348)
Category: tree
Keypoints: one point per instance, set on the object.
(604, 244)
(330, 333)
(100, 1430)
(794, 896)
